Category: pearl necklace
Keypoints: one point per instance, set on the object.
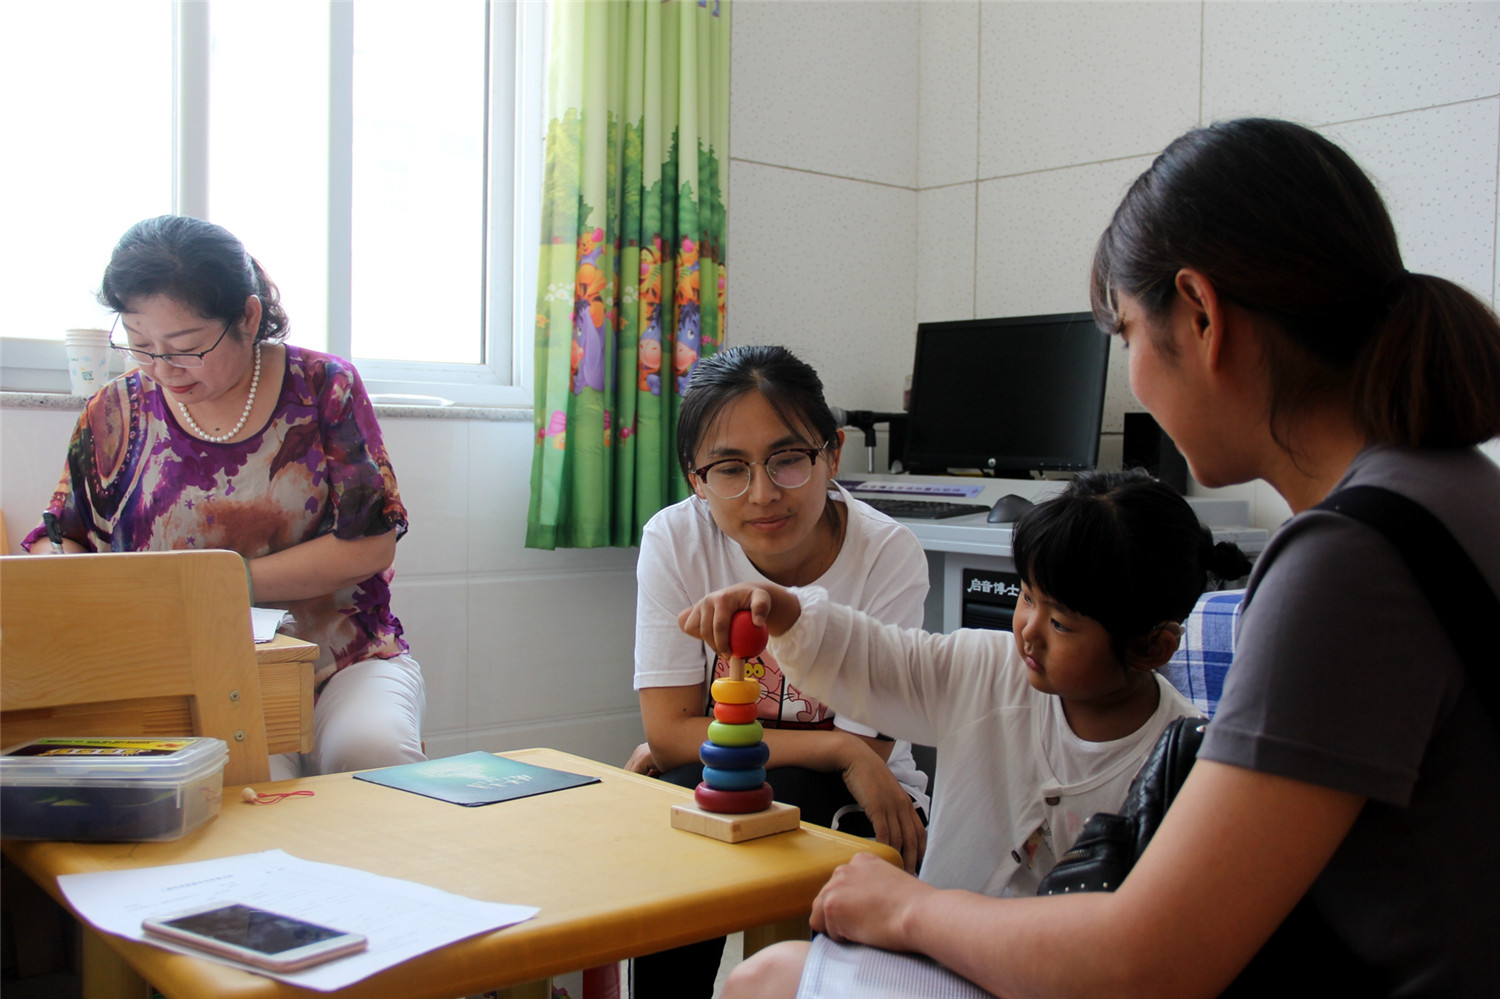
(220, 439)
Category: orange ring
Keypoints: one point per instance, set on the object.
(735, 714)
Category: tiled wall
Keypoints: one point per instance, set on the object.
(520, 647)
(1009, 131)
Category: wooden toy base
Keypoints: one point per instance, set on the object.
(736, 828)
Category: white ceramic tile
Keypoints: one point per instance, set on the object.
(550, 646)
(33, 449)
(1436, 170)
(608, 738)
(1111, 452)
(945, 253)
(431, 461)
(434, 614)
(445, 744)
(830, 87)
(1267, 508)
(1118, 399)
(948, 97)
(1327, 62)
(1067, 83)
(828, 268)
(500, 493)
(1037, 234)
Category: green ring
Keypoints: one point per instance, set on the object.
(721, 734)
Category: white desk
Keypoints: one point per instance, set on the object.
(971, 544)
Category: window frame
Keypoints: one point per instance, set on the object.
(513, 152)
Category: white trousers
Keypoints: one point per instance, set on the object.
(369, 714)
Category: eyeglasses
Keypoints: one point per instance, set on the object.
(729, 478)
(191, 359)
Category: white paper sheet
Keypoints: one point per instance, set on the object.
(264, 621)
(401, 918)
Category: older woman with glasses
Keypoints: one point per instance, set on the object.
(760, 449)
(225, 437)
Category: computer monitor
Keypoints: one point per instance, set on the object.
(1007, 396)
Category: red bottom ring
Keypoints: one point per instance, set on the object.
(732, 802)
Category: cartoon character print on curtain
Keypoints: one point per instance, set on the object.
(631, 278)
(590, 314)
(648, 349)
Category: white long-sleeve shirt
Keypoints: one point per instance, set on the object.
(1014, 783)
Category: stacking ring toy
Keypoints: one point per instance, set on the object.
(734, 714)
(732, 802)
(739, 691)
(734, 757)
(734, 780)
(735, 735)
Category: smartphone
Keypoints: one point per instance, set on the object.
(255, 937)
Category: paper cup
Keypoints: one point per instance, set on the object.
(88, 360)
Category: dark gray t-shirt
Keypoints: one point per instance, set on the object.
(1343, 677)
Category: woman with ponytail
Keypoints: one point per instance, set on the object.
(223, 436)
(1352, 772)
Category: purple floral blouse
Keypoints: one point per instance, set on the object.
(136, 481)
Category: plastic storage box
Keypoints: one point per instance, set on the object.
(110, 789)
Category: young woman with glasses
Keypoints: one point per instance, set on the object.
(225, 437)
(760, 448)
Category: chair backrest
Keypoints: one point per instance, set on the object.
(148, 643)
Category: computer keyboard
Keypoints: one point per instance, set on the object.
(923, 509)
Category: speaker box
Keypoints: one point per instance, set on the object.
(895, 440)
(1145, 446)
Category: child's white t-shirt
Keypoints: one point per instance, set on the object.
(880, 569)
(1014, 783)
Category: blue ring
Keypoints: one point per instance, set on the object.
(734, 780)
(734, 757)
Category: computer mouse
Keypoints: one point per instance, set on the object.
(1008, 509)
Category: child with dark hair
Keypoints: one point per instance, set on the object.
(1036, 730)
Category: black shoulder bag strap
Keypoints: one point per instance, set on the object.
(1459, 594)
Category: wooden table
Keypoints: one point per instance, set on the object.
(286, 693)
(612, 877)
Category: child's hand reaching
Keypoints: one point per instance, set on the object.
(770, 606)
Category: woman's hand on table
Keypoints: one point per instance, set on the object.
(885, 803)
(868, 901)
(771, 606)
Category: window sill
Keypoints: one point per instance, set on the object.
(496, 414)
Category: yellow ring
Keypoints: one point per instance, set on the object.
(729, 691)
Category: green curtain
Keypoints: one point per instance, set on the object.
(630, 285)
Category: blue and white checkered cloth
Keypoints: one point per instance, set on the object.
(1197, 668)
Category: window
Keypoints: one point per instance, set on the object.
(381, 159)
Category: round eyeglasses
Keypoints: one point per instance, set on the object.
(729, 478)
(144, 358)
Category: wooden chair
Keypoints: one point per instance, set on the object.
(148, 643)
